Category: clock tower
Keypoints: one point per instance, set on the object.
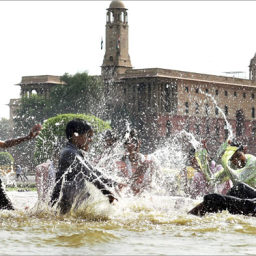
(252, 68)
(116, 60)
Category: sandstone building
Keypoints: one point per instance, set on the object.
(40, 85)
(162, 102)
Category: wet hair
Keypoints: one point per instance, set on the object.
(133, 136)
(191, 153)
(110, 135)
(237, 144)
(77, 125)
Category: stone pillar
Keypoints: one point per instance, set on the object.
(146, 100)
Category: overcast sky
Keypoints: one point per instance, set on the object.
(54, 37)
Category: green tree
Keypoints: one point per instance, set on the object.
(4, 129)
(79, 94)
(53, 136)
(6, 158)
(30, 112)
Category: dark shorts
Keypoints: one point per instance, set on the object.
(240, 199)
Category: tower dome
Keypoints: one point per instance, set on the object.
(117, 4)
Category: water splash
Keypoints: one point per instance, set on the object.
(228, 126)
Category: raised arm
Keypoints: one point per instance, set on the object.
(12, 142)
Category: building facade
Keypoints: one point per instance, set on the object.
(160, 103)
(40, 85)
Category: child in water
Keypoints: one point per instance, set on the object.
(136, 168)
(74, 169)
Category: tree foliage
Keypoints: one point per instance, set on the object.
(4, 129)
(79, 94)
(53, 137)
(6, 158)
(30, 112)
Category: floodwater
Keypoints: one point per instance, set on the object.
(156, 225)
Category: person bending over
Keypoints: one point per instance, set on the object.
(241, 169)
(199, 175)
(237, 165)
(74, 169)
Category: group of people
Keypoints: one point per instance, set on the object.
(227, 186)
(66, 181)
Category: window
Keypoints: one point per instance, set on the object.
(206, 90)
(217, 129)
(197, 90)
(149, 95)
(253, 131)
(253, 96)
(226, 93)
(207, 130)
(240, 122)
(186, 108)
(186, 89)
(197, 129)
(124, 90)
(207, 109)
(253, 112)
(244, 95)
(187, 127)
(216, 111)
(226, 110)
(216, 92)
(168, 128)
(197, 108)
(226, 134)
(235, 94)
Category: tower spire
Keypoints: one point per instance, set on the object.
(116, 59)
(252, 68)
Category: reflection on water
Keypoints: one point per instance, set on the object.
(150, 225)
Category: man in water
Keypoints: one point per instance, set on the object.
(111, 149)
(5, 202)
(74, 169)
(199, 175)
(241, 169)
(138, 169)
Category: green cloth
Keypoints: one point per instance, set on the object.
(202, 160)
(246, 174)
